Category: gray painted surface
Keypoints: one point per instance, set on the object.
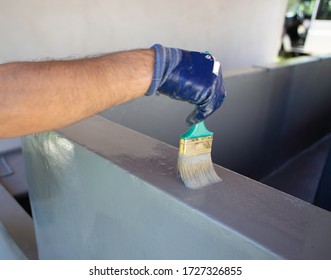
(8, 248)
(18, 224)
(102, 191)
(9, 145)
(270, 114)
(300, 177)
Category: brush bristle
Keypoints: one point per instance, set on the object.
(197, 171)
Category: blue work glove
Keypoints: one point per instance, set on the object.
(189, 76)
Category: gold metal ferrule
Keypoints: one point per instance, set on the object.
(195, 146)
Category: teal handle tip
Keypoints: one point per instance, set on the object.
(197, 131)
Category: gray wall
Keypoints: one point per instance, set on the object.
(270, 114)
(37, 29)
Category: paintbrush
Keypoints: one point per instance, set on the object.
(195, 165)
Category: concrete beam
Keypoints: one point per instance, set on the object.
(102, 191)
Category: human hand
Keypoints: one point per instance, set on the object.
(189, 76)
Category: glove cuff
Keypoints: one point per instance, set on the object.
(166, 59)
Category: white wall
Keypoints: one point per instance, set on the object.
(240, 33)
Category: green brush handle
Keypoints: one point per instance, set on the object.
(197, 131)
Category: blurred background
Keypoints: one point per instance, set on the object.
(240, 34)
(307, 28)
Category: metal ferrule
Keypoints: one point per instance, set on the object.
(195, 146)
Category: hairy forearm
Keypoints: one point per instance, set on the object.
(39, 96)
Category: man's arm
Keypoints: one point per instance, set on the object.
(39, 96)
